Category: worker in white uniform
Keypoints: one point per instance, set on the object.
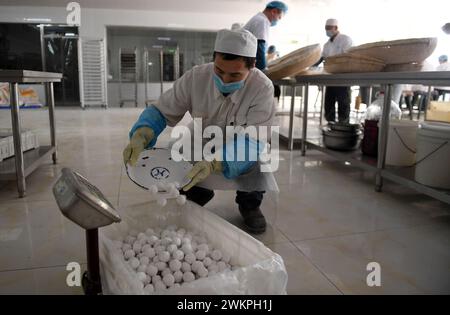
(337, 44)
(227, 92)
(259, 26)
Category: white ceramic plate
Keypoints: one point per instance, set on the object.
(155, 166)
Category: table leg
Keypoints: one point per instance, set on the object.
(17, 138)
(322, 104)
(305, 118)
(382, 137)
(291, 120)
(51, 113)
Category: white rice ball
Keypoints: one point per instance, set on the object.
(190, 258)
(161, 265)
(188, 277)
(187, 248)
(176, 240)
(169, 280)
(181, 200)
(148, 251)
(216, 255)
(196, 265)
(159, 249)
(202, 272)
(178, 276)
(144, 260)
(207, 261)
(185, 267)
(155, 259)
(200, 254)
(156, 279)
(164, 256)
(153, 189)
(129, 253)
(152, 270)
(172, 248)
(166, 241)
(126, 247)
(137, 246)
(175, 265)
(166, 272)
(141, 276)
(142, 268)
(178, 254)
(134, 262)
(129, 240)
(152, 239)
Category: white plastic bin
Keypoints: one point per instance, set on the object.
(262, 271)
(401, 146)
(433, 155)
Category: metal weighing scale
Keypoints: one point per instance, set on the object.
(85, 205)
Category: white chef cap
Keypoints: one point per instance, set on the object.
(237, 42)
(331, 22)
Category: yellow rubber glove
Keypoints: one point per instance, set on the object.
(138, 142)
(201, 171)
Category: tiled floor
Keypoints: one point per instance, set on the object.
(327, 222)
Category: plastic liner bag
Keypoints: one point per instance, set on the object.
(261, 271)
(374, 110)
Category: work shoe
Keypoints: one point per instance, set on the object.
(254, 220)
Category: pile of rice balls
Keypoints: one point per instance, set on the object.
(170, 257)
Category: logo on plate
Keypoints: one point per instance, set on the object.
(160, 173)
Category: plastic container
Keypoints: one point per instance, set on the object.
(369, 144)
(401, 145)
(433, 155)
(261, 270)
(439, 111)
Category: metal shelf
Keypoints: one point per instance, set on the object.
(32, 159)
(23, 164)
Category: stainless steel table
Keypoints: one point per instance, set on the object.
(386, 80)
(24, 164)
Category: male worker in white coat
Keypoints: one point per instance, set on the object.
(337, 44)
(259, 26)
(227, 92)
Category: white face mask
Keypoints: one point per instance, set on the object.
(330, 33)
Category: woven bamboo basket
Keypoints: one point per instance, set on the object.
(352, 63)
(404, 67)
(294, 63)
(398, 51)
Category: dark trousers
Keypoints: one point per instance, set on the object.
(246, 200)
(341, 95)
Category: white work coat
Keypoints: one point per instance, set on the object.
(195, 92)
(340, 44)
(259, 26)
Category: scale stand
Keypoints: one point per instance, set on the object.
(84, 204)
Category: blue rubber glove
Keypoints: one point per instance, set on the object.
(231, 167)
(151, 117)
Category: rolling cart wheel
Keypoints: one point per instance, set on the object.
(90, 287)
(378, 188)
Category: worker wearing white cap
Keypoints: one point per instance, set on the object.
(337, 44)
(227, 92)
(259, 26)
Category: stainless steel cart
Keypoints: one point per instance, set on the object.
(23, 164)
